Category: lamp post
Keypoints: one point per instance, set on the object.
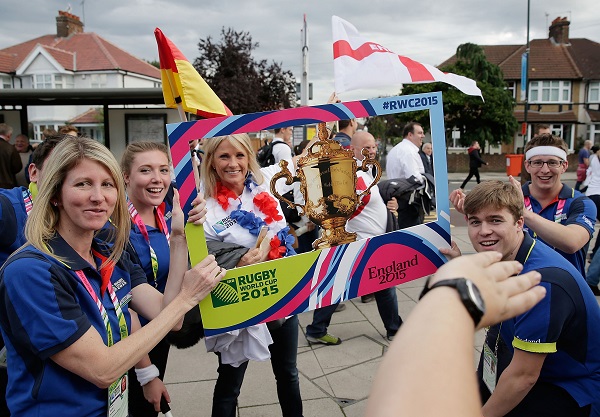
(525, 81)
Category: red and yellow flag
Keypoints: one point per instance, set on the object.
(181, 83)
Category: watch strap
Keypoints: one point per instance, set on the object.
(460, 284)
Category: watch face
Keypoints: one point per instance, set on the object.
(475, 295)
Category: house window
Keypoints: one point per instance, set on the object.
(58, 81)
(512, 87)
(594, 92)
(98, 80)
(42, 81)
(550, 91)
(63, 81)
(38, 130)
(594, 133)
(5, 82)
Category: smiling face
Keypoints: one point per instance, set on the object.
(22, 144)
(87, 199)
(493, 229)
(231, 166)
(544, 178)
(417, 135)
(364, 140)
(148, 180)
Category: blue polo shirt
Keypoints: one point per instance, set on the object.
(12, 221)
(565, 324)
(139, 250)
(46, 309)
(578, 209)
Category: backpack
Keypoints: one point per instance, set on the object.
(265, 156)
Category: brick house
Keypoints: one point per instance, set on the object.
(564, 84)
(71, 59)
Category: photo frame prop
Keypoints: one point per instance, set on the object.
(274, 289)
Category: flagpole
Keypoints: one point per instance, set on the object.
(183, 118)
(197, 247)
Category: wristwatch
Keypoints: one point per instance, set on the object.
(468, 292)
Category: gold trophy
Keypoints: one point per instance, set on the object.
(327, 176)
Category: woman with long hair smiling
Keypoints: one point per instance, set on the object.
(239, 206)
(66, 294)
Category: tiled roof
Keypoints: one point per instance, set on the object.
(586, 54)
(92, 53)
(91, 116)
(6, 62)
(594, 115)
(579, 59)
(546, 117)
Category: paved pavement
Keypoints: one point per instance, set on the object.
(334, 380)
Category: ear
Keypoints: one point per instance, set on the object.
(565, 166)
(520, 223)
(33, 173)
(126, 179)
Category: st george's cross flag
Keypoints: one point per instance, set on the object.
(359, 63)
(182, 84)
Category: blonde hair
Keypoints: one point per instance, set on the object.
(138, 147)
(44, 217)
(209, 176)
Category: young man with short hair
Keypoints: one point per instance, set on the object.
(556, 214)
(546, 361)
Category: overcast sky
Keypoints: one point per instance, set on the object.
(427, 31)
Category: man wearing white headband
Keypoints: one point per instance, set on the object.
(558, 215)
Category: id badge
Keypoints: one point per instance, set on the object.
(490, 368)
(118, 398)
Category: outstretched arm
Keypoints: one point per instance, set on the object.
(417, 377)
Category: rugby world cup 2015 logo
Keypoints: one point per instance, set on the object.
(225, 293)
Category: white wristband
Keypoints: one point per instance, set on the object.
(147, 374)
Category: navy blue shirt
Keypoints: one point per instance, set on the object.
(46, 309)
(12, 221)
(565, 324)
(578, 209)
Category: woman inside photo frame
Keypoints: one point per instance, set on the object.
(240, 209)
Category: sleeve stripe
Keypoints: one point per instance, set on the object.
(534, 347)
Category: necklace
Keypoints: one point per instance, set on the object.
(267, 207)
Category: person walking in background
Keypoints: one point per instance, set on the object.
(10, 161)
(583, 161)
(475, 162)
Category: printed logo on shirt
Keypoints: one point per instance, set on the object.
(168, 215)
(120, 283)
(223, 224)
(588, 222)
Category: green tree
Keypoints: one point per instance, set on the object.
(242, 83)
(491, 120)
(154, 63)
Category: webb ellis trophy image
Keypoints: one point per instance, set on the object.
(327, 176)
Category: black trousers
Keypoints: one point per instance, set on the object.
(138, 406)
(472, 171)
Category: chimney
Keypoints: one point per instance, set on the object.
(559, 31)
(67, 24)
